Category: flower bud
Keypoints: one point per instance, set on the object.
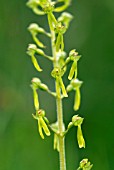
(36, 82)
(43, 87)
(69, 88)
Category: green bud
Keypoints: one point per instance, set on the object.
(43, 87)
(39, 51)
(34, 28)
(31, 49)
(69, 88)
(36, 82)
(80, 138)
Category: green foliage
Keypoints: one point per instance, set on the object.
(58, 28)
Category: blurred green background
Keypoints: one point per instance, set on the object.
(92, 34)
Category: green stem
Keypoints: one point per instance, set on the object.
(59, 110)
(60, 125)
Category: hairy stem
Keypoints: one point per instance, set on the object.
(59, 110)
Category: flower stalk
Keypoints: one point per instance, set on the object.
(58, 28)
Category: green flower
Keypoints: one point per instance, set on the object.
(42, 126)
(85, 165)
(57, 73)
(77, 121)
